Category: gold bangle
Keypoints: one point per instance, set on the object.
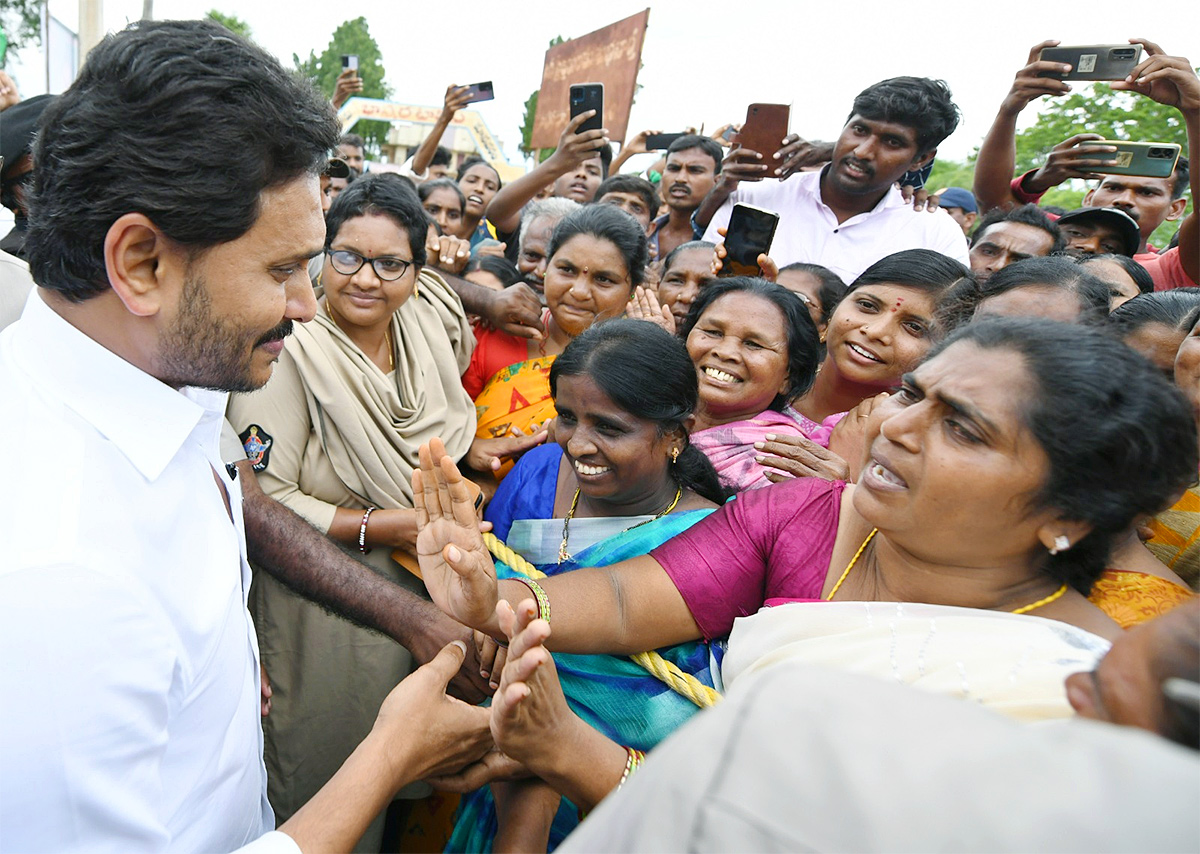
(543, 601)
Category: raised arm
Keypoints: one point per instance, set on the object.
(998, 153)
(636, 145)
(504, 211)
(1171, 80)
(456, 99)
(621, 609)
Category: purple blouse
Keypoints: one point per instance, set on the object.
(773, 543)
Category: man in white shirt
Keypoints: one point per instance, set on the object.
(176, 210)
(849, 215)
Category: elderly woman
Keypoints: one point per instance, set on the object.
(334, 436)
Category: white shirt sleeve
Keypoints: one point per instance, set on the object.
(721, 219)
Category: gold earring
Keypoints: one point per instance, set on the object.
(674, 455)
(417, 288)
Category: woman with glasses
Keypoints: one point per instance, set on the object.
(334, 436)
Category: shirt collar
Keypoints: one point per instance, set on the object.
(893, 198)
(147, 420)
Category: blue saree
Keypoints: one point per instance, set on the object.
(611, 693)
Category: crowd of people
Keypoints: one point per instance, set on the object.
(360, 485)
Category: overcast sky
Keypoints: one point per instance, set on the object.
(703, 62)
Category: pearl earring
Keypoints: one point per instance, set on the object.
(1061, 544)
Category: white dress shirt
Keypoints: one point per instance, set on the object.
(129, 678)
(808, 230)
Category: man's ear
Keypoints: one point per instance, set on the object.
(1175, 211)
(139, 260)
(1087, 198)
(922, 160)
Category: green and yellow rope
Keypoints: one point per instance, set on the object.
(684, 684)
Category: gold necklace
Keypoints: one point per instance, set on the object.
(387, 336)
(1024, 609)
(563, 556)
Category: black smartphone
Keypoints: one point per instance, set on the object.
(480, 92)
(730, 133)
(350, 60)
(662, 141)
(588, 96)
(1093, 62)
(748, 235)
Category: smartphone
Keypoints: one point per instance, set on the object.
(588, 96)
(1094, 62)
(480, 92)
(730, 133)
(662, 141)
(748, 235)
(1144, 159)
(766, 126)
(350, 60)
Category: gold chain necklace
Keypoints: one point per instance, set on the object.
(387, 336)
(1024, 609)
(563, 556)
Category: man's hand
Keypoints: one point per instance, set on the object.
(456, 98)
(447, 252)
(426, 733)
(9, 96)
(493, 767)
(1071, 158)
(920, 198)
(517, 311)
(1166, 79)
(637, 144)
(489, 454)
(348, 84)
(798, 153)
(436, 631)
(741, 164)
(574, 147)
(1028, 85)
(455, 564)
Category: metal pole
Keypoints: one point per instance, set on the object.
(91, 26)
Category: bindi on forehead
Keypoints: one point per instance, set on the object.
(899, 302)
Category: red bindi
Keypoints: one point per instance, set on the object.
(899, 302)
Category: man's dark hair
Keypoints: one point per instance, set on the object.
(631, 184)
(1053, 272)
(442, 156)
(916, 102)
(606, 156)
(709, 146)
(381, 195)
(1139, 274)
(352, 139)
(181, 121)
(1179, 179)
(1026, 215)
(1175, 309)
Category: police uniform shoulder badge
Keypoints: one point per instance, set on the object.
(257, 443)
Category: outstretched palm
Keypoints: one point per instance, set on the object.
(455, 565)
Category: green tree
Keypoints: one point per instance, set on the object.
(951, 173)
(21, 21)
(352, 37)
(1113, 114)
(232, 23)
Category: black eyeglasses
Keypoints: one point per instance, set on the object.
(386, 267)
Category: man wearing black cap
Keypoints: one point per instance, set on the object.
(16, 137)
(1098, 231)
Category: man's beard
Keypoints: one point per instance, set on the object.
(209, 352)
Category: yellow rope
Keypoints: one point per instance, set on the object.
(677, 680)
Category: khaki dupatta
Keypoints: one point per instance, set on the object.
(371, 423)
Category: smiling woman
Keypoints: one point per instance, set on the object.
(597, 257)
(621, 479)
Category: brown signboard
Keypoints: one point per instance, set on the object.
(610, 56)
